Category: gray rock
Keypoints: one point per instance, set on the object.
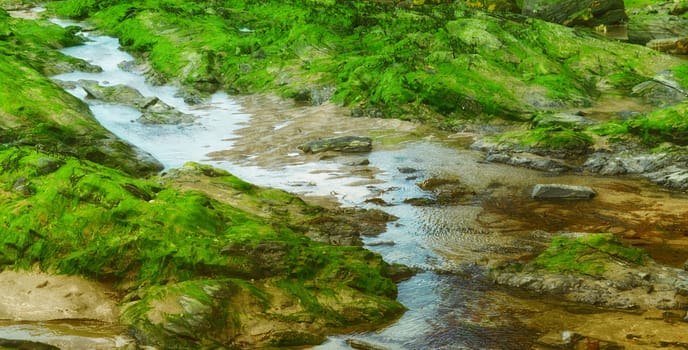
(569, 120)
(153, 110)
(662, 90)
(673, 177)
(341, 144)
(564, 192)
(645, 27)
(528, 160)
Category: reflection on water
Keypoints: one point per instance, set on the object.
(450, 306)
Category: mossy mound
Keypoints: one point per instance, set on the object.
(36, 111)
(161, 244)
(586, 255)
(663, 125)
(434, 62)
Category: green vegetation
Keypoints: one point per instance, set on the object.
(586, 255)
(77, 217)
(434, 63)
(551, 138)
(36, 111)
(664, 125)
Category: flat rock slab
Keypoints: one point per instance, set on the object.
(564, 192)
(342, 144)
(36, 296)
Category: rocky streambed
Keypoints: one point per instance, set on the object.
(469, 225)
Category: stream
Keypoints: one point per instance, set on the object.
(450, 304)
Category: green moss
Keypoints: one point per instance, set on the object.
(424, 63)
(681, 73)
(664, 125)
(553, 138)
(586, 255)
(179, 248)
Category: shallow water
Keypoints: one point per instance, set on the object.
(450, 305)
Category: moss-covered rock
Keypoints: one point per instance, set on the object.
(197, 271)
(36, 111)
(432, 62)
(598, 269)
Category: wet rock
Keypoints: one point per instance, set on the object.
(153, 110)
(445, 191)
(25, 345)
(314, 95)
(643, 28)
(663, 90)
(529, 160)
(119, 93)
(673, 177)
(407, 170)
(619, 164)
(616, 282)
(675, 46)
(563, 192)
(568, 120)
(574, 12)
(364, 345)
(342, 144)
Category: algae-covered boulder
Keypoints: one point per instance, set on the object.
(598, 269)
(38, 112)
(195, 271)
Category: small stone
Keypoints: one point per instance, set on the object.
(564, 192)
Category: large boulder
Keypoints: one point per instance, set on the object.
(574, 12)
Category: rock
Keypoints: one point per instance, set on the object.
(674, 46)
(121, 94)
(22, 186)
(673, 177)
(575, 12)
(567, 120)
(529, 160)
(663, 90)
(445, 191)
(25, 345)
(565, 192)
(153, 110)
(643, 28)
(364, 345)
(341, 144)
(614, 276)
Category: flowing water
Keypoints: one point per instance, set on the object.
(450, 304)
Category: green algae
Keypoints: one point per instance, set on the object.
(587, 254)
(36, 111)
(167, 246)
(664, 125)
(428, 63)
